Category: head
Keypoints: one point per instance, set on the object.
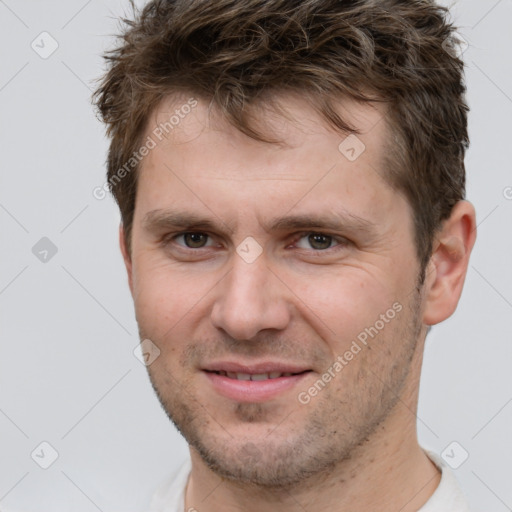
(291, 184)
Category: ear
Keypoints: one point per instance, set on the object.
(126, 256)
(447, 268)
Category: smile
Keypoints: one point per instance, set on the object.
(253, 384)
(256, 376)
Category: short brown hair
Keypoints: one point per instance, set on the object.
(235, 54)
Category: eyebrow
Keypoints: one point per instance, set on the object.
(159, 220)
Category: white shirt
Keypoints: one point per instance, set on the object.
(170, 497)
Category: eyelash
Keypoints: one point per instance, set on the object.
(340, 241)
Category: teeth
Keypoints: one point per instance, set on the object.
(256, 376)
(260, 376)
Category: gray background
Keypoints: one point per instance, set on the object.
(68, 374)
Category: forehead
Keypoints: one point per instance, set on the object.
(201, 159)
(191, 128)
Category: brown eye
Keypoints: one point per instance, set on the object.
(195, 240)
(319, 241)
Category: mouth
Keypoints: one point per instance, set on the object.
(256, 376)
(254, 383)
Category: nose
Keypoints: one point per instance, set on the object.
(250, 299)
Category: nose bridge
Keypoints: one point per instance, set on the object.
(249, 300)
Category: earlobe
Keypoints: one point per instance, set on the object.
(126, 256)
(449, 262)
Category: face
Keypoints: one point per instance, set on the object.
(279, 283)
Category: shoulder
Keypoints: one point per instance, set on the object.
(448, 496)
(170, 494)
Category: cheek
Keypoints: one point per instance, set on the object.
(161, 298)
(343, 305)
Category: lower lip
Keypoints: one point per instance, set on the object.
(253, 390)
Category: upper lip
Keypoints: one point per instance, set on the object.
(255, 368)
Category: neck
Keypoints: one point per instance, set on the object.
(389, 472)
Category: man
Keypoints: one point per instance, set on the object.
(291, 183)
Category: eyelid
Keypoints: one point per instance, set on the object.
(341, 240)
(171, 237)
